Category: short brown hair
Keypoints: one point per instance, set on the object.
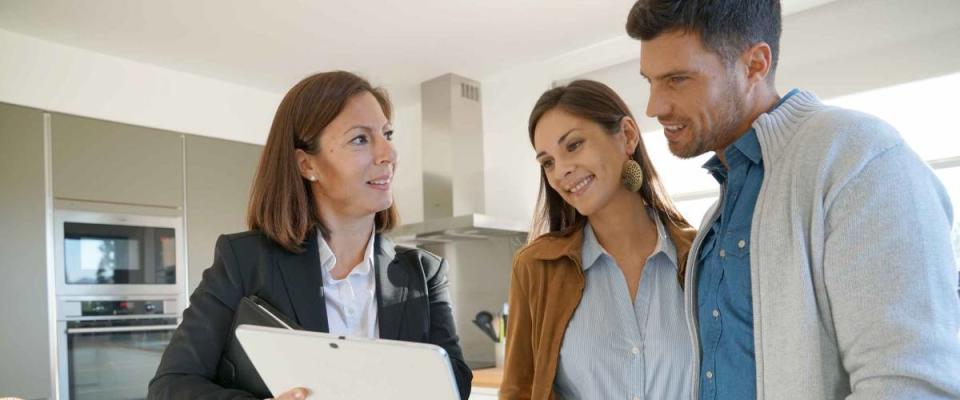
(726, 27)
(282, 205)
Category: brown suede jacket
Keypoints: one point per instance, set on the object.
(545, 288)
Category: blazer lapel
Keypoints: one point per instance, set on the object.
(304, 284)
(392, 282)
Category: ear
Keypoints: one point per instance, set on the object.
(305, 164)
(631, 134)
(758, 59)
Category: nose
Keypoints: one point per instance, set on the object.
(657, 104)
(563, 168)
(384, 151)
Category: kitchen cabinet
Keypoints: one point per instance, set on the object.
(219, 176)
(99, 166)
(24, 337)
(109, 162)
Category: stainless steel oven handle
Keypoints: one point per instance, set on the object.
(122, 329)
(119, 317)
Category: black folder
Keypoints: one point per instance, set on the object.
(235, 367)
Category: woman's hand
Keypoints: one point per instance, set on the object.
(293, 394)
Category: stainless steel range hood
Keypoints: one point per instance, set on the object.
(463, 227)
(453, 173)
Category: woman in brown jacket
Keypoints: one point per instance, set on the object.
(596, 307)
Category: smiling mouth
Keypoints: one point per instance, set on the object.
(581, 186)
(672, 130)
(380, 184)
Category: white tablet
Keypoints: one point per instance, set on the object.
(348, 368)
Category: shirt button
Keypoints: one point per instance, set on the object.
(709, 374)
(742, 243)
(723, 253)
(636, 350)
(716, 313)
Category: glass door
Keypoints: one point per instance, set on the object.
(115, 358)
(105, 254)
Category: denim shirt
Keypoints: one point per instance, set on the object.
(724, 300)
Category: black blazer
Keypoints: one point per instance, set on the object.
(412, 298)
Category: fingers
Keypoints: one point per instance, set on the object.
(294, 394)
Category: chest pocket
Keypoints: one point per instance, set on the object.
(736, 245)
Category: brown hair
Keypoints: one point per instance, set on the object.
(596, 102)
(282, 205)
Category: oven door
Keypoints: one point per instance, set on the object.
(104, 254)
(112, 358)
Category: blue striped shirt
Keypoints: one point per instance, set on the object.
(613, 349)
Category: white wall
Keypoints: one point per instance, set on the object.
(408, 179)
(511, 172)
(70, 80)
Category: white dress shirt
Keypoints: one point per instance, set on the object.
(351, 301)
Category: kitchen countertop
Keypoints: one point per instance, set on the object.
(487, 378)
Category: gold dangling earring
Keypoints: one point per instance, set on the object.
(632, 175)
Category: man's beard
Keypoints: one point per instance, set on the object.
(731, 113)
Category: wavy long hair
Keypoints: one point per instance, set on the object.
(596, 102)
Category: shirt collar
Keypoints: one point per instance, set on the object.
(592, 250)
(328, 260)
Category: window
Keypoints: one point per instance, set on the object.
(950, 176)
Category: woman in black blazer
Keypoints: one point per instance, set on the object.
(318, 206)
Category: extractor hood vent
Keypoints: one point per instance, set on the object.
(469, 91)
(453, 173)
(464, 227)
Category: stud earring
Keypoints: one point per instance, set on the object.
(313, 178)
(632, 175)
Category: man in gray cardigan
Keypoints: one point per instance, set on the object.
(825, 270)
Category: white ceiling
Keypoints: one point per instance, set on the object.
(270, 45)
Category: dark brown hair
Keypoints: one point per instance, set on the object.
(596, 102)
(282, 205)
(726, 27)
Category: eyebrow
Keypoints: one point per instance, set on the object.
(667, 74)
(562, 138)
(386, 128)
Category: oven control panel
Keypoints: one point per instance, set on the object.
(120, 307)
(116, 307)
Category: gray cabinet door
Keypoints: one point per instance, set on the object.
(219, 176)
(24, 337)
(109, 162)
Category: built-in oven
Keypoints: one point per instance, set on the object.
(111, 254)
(110, 347)
(120, 291)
